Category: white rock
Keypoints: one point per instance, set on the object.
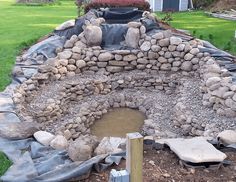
(80, 63)
(105, 56)
(195, 150)
(227, 137)
(146, 46)
(44, 137)
(109, 145)
(194, 51)
(188, 57)
(67, 24)
(175, 40)
(158, 36)
(59, 143)
(132, 37)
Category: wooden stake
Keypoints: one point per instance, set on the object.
(134, 156)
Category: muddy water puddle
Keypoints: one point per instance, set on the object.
(118, 122)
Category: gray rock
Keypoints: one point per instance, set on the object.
(227, 137)
(195, 150)
(65, 55)
(195, 51)
(188, 57)
(155, 48)
(234, 97)
(186, 66)
(80, 63)
(59, 143)
(118, 63)
(105, 56)
(175, 40)
(114, 69)
(228, 95)
(19, 130)
(220, 91)
(231, 104)
(102, 64)
(212, 80)
(82, 148)
(93, 35)
(44, 137)
(158, 36)
(164, 42)
(162, 60)
(134, 24)
(142, 61)
(130, 57)
(166, 67)
(109, 145)
(69, 44)
(118, 57)
(214, 68)
(142, 29)
(63, 62)
(132, 37)
(146, 46)
(180, 47)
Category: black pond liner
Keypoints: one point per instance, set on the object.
(206, 165)
(115, 27)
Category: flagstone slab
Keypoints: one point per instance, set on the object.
(195, 150)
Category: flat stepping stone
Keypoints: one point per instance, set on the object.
(195, 150)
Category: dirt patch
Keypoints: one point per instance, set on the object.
(164, 165)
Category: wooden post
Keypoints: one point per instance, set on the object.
(134, 156)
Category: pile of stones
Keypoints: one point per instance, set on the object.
(91, 80)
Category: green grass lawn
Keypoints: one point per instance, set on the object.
(218, 31)
(4, 163)
(23, 25)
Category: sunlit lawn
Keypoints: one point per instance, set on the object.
(22, 25)
(218, 31)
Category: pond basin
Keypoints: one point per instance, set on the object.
(118, 122)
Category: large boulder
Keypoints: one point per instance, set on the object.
(59, 143)
(93, 35)
(110, 145)
(132, 37)
(19, 130)
(82, 148)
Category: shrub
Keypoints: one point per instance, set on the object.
(95, 4)
(202, 3)
(168, 17)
